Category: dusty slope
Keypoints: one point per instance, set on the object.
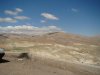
(35, 67)
(74, 48)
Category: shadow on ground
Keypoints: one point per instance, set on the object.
(4, 61)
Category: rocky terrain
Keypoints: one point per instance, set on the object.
(70, 47)
(60, 50)
(12, 64)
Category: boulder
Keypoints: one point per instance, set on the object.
(2, 53)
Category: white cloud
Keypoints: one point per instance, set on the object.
(10, 12)
(43, 21)
(18, 10)
(8, 19)
(20, 27)
(15, 18)
(13, 12)
(21, 17)
(49, 16)
(29, 29)
(52, 27)
(74, 10)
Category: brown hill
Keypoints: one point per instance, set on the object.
(59, 45)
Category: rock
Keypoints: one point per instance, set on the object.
(2, 53)
(24, 55)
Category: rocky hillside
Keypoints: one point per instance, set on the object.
(57, 45)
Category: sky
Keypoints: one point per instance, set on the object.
(71, 16)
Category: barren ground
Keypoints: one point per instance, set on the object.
(14, 66)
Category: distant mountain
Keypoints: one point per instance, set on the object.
(53, 37)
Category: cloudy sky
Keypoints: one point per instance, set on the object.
(72, 16)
